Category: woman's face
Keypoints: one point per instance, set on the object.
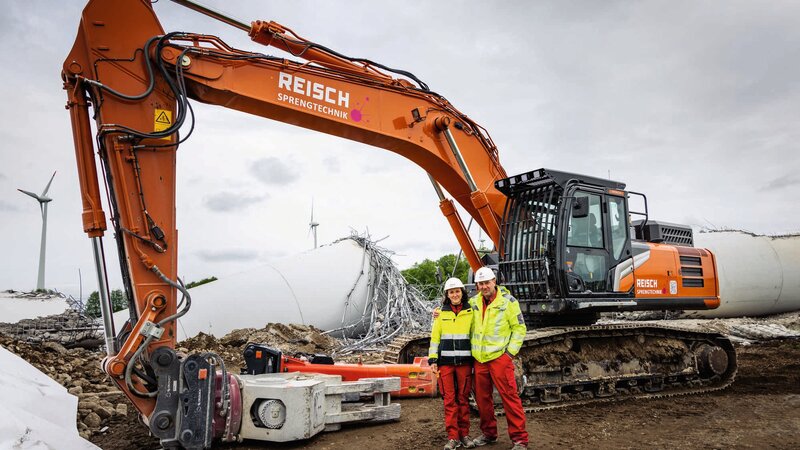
(454, 295)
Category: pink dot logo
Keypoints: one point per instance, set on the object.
(356, 114)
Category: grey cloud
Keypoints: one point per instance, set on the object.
(230, 201)
(273, 171)
(372, 168)
(782, 182)
(229, 255)
(3, 176)
(5, 206)
(332, 164)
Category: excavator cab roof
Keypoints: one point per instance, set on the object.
(539, 177)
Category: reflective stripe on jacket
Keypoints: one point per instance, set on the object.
(501, 329)
(450, 343)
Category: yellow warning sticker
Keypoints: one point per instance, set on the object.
(163, 120)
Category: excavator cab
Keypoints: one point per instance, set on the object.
(563, 234)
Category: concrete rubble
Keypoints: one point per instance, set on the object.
(740, 329)
(69, 328)
(100, 403)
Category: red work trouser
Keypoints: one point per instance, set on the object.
(500, 373)
(455, 384)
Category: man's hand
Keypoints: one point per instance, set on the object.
(435, 369)
(436, 312)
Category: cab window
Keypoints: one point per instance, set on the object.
(587, 231)
(617, 219)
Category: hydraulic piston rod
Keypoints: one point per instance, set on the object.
(214, 14)
(478, 197)
(105, 302)
(451, 214)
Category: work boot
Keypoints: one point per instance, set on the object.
(452, 444)
(519, 446)
(467, 442)
(483, 440)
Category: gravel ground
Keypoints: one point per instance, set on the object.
(760, 410)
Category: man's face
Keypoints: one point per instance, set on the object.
(486, 287)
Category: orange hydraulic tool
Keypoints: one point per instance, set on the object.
(416, 380)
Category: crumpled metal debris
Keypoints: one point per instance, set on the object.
(393, 307)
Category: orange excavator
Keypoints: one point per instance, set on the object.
(566, 245)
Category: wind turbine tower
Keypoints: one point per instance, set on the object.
(312, 226)
(43, 200)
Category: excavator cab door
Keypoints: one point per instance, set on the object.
(596, 241)
(586, 257)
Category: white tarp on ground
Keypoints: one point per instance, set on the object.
(35, 411)
(13, 309)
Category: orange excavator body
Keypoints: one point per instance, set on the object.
(138, 80)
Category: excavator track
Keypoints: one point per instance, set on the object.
(404, 348)
(568, 366)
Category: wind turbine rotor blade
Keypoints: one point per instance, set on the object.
(48, 185)
(29, 193)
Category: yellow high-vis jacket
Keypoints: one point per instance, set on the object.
(502, 329)
(450, 344)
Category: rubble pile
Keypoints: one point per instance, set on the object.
(291, 339)
(101, 404)
(739, 329)
(70, 329)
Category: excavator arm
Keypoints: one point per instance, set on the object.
(138, 81)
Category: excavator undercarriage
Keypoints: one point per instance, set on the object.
(566, 366)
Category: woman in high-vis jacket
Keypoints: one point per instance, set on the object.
(450, 358)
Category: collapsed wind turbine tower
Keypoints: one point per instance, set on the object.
(43, 200)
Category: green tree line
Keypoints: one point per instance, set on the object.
(429, 275)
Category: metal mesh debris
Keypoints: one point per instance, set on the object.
(70, 328)
(393, 306)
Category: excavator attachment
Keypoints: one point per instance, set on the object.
(196, 403)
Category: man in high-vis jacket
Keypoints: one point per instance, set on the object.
(497, 334)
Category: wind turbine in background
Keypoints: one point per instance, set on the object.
(312, 226)
(43, 200)
(481, 240)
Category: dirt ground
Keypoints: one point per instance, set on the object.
(760, 410)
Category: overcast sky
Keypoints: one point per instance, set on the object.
(694, 103)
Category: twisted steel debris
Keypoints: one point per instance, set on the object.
(393, 306)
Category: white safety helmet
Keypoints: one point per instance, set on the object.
(484, 274)
(453, 283)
